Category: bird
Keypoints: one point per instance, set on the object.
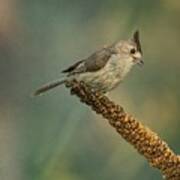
(103, 70)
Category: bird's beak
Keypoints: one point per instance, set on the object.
(138, 58)
(140, 62)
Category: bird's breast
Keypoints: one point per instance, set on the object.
(106, 78)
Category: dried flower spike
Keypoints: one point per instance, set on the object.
(147, 143)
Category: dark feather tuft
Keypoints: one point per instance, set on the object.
(136, 39)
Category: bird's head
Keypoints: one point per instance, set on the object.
(131, 50)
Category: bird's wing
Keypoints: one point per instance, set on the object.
(73, 67)
(93, 63)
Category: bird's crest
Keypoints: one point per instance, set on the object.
(136, 39)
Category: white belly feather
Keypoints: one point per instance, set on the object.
(109, 76)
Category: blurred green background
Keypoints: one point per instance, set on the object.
(55, 137)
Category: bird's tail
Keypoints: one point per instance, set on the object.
(48, 87)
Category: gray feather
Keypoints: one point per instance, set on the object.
(98, 60)
(48, 87)
(93, 63)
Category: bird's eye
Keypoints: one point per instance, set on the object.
(132, 51)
